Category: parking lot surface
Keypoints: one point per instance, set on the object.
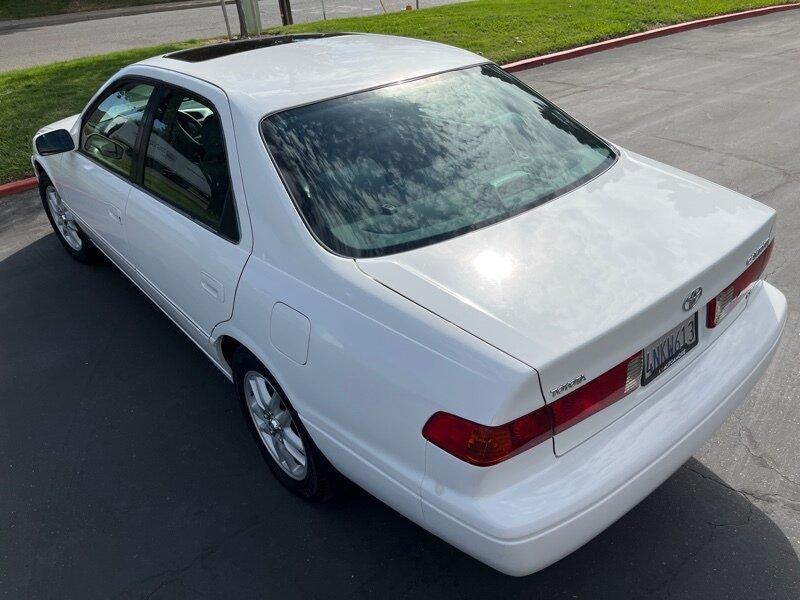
(127, 469)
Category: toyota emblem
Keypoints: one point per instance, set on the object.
(692, 298)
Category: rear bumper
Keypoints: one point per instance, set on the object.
(527, 525)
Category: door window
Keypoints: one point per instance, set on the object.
(185, 163)
(109, 134)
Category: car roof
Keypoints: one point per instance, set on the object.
(265, 75)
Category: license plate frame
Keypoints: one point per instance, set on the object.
(665, 351)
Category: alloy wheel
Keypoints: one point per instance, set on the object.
(275, 425)
(63, 219)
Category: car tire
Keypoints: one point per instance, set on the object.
(280, 434)
(75, 241)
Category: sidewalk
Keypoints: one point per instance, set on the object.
(108, 13)
(44, 40)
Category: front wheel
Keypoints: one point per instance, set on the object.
(287, 448)
(75, 242)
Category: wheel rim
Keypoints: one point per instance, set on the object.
(65, 224)
(275, 425)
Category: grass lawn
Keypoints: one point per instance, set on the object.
(501, 30)
(508, 30)
(20, 9)
(31, 98)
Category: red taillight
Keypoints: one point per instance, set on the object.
(720, 306)
(482, 445)
(597, 394)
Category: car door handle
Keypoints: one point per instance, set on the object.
(213, 287)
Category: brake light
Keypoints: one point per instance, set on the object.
(482, 445)
(600, 392)
(721, 306)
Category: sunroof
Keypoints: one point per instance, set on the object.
(227, 48)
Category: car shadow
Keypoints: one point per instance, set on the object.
(132, 473)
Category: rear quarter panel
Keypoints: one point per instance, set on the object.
(378, 367)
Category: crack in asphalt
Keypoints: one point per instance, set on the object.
(768, 192)
(791, 175)
(753, 496)
(748, 441)
(663, 586)
(169, 576)
(782, 262)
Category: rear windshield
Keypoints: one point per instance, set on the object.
(417, 162)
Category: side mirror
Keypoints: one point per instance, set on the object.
(54, 142)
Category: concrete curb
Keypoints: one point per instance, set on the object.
(23, 185)
(545, 59)
(15, 187)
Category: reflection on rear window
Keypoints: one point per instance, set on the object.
(407, 165)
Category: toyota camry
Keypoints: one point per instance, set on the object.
(422, 276)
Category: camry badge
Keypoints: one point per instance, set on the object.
(757, 252)
(692, 298)
(557, 391)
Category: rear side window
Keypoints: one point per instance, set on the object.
(109, 134)
(185, 162)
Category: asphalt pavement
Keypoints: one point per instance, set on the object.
(36, 44)
(127, 470)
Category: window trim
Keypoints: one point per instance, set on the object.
(89, 111)
(136, 176)
(358, 254)
(138, 166)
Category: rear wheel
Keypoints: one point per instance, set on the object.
(287, 448)
(75, 242)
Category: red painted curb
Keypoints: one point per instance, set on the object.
(538, 61)
(15, 187)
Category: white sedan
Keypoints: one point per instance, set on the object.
(422, 275)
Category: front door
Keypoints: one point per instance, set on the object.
(96, 181)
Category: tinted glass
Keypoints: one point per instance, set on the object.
(109, 134)
(213, 51)
(409, 164)
(185, 164)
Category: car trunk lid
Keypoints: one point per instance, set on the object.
(579, 284)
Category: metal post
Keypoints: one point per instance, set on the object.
(251, 17)
(286, 12)
(324, 16)
(227, 22)
(242, 24)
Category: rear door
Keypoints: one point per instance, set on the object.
(182, 218)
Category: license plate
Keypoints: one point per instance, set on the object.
(668, 349)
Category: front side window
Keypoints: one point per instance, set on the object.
(109, 133)
(410, 164)
(185, 163)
